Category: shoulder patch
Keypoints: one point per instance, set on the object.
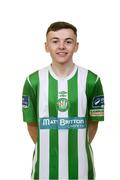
(98, 102)
(25, 101)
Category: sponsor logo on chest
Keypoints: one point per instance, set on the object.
(63, 123)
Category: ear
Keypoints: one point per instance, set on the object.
(46, 47)
(76, 47)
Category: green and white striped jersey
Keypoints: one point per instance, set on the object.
(62, 107)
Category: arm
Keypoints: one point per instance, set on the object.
(33, 131)
(92, 129)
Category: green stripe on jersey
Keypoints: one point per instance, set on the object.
(91, 79)
(53, 93)
(73, 133)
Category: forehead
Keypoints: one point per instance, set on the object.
(61, 34)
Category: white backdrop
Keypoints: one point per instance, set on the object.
(23, 26)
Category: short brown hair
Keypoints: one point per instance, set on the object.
(61, 25)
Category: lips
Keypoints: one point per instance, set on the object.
(61, 53)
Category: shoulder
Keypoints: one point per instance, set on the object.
(90, 75)
(35, 75)
(33, 78)
(89, 72)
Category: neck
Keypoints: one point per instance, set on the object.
(62, 70)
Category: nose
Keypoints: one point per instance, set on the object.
(61, 45)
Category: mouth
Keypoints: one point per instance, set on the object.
(62, 53)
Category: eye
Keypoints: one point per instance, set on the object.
(55, 41)
(68, 42)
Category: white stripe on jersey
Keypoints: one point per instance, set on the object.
(82, 101)
(44, 135)
(63, 137)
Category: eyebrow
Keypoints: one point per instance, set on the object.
(65, 38)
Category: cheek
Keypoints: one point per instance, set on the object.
(72, 50)
(48, 47)
(51, 48)
(52, 53)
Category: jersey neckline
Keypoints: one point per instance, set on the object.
(62, 78)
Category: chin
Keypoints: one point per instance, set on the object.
(62, 62)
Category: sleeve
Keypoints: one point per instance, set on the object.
(96, 102)
(29, 103)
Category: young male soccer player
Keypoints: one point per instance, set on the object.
(62, 105)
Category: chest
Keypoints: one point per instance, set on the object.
(62, 97)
